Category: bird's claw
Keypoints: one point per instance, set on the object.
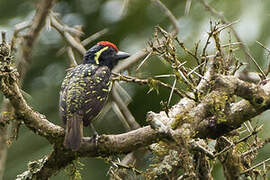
(94, 139)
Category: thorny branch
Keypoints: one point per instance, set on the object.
(152, 83)
(246, 50)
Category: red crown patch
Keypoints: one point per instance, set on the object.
(107, 43)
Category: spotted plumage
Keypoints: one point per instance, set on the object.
(85, 89)
(79, 91)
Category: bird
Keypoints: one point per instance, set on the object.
(85, 89)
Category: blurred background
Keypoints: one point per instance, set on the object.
(131, 25)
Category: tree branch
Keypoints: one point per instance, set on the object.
(32, 119)
(73, 42)
(28, 40)
(127, 142)
(257, 101)
(32, 34)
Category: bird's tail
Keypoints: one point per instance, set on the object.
(74, 132)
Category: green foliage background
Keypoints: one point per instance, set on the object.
(131, 24)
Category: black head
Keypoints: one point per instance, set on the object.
(104, 53)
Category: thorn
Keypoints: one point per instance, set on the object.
(143, 61)
(171, 93)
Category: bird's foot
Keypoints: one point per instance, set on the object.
(95, 138)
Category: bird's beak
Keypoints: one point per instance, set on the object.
(121, 55)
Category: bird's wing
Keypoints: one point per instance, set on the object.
(96, 92)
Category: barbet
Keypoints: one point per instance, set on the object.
(85, 89)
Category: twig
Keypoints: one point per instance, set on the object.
(194, 69)
(121, 77)
(226, 26)
(95, 36)
(85, 42)
(32, 34)
(257, 165)
(72, 60)
(199, 75)
(119, 115)
(187, 7)
(130, 61)
(268, 50)
(170, 15)
(208, 75)
(229, 44)
(124, 110)
(18, 28)
(242, 45)
(210, 34)
(142, 53)
(131, 159)
(250, 127)
(66, 35)
(121, 165)
(199, 147)
(239, 141)
(188, 51)
(185, 78)
(257, 65)
(266, 141)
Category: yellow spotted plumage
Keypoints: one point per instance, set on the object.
(80, 91)
(85, 89)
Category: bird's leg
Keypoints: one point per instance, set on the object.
(95, 134)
